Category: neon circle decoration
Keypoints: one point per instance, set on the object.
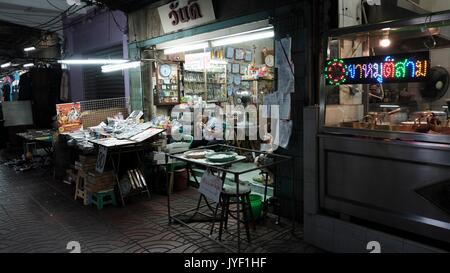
(336, 72)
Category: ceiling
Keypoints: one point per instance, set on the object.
(131, 5)
(41, 14)
(38, 23)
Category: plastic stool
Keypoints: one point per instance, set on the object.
(98, 198)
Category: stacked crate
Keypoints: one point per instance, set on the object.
(97, 182)
(86, 163)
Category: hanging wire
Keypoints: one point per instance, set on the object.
(425, 43)
(123, 30)
(51, 4)
(54, 18)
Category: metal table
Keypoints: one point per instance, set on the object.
(223, 169)
(117, 148)
(35, 137)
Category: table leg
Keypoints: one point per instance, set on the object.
(265, 208)
(236, 180)
(168, 179)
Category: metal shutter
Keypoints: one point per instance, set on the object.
(98, 85)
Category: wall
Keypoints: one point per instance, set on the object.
(87, 34)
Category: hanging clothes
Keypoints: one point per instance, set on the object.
(6, 90)
(64, 88)
(15, 86)
(25, 87)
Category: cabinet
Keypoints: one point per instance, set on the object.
(209, 83)
(167, 89)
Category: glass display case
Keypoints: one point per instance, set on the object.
(389, 82)
(167, 89)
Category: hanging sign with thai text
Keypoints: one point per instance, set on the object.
(412, 67)
(186, 14)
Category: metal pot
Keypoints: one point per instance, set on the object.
(434, 117)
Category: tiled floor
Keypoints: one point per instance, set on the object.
(38, 214)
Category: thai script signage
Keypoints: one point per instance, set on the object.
(412, 67)
(185, 14)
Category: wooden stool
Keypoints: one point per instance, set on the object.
(98, 198)
(80, 190)
(243, 197)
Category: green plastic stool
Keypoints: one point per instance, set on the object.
(98, 198)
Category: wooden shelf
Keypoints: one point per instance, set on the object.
(260, 79)
(167, 103)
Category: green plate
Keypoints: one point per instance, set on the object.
(221, 156)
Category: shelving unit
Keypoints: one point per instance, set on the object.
(211, 85)
(259, 87)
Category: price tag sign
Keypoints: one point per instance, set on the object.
(210, 186)
(101, 159)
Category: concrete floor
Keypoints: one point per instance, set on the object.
(38, 214)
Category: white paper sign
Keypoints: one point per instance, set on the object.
(101, 159)
(211, 186)
(284, 101)
(185, 14)
(197, 61)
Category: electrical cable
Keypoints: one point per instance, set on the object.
(425, 43)
(22, 14)
(51, 4)
(117, 24)
(52, 25)
(54, 18)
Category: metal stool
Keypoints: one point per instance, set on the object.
(243, 197)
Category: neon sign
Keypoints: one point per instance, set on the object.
(413, 67)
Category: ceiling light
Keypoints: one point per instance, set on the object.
(5, 65)
(116, 67)
(185, 48)
(386, 29)
(385, 42)
(243, 38)
(93, 61)
(28, 65)
(31, 48)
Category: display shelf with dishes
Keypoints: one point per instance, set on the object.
(216, 82)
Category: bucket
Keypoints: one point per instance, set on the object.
(256, 205)
(180, 180)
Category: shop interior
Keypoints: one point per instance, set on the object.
(400, 105)
(237, 69)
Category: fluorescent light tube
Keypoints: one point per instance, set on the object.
(93, 61)
(243, 38)
(185, 48)
(31, 48)
(28, 65)
(116, 67)
(5, 65)
(389, 106)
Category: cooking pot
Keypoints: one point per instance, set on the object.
(438, 118)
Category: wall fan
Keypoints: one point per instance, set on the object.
(437, 85)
